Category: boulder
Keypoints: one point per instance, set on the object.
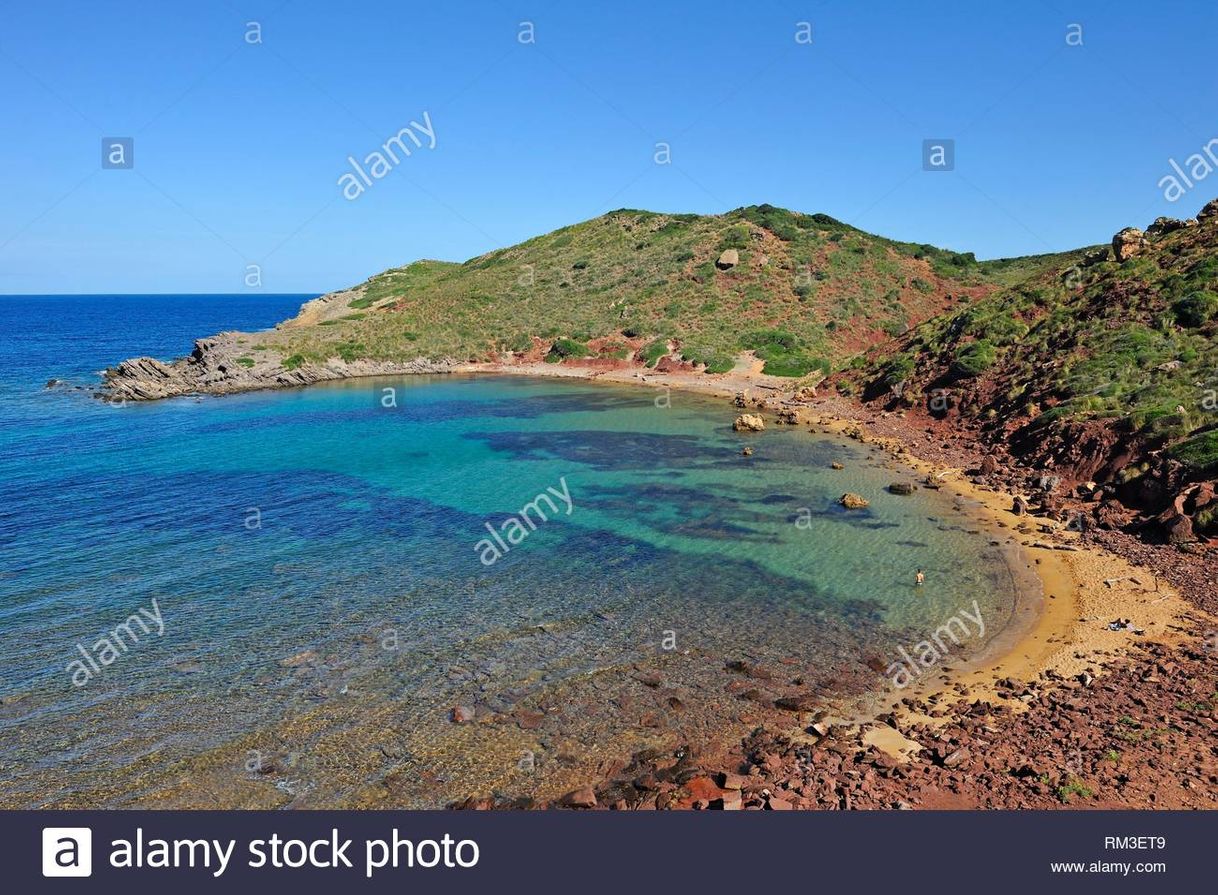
(1110, 514)
(1209, 213)
(580, 798)
(852, 501)
(1019, 506)
(1164, 225)
(989, 465)
(748, 422)
(1095, 256)
(1128, 243)
(462, 714)
(902, 488)
(729, 259)
(1177, 527)
(957, 757)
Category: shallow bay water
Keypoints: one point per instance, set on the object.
(320, 564)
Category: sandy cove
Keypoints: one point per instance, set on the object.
(1057, 680)
(1026, 684)
(1064, 633)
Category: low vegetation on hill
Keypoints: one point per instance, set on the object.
(1104, 366)
(805, 292)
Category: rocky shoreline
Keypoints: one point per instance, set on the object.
(1129, 728)
(224, 364)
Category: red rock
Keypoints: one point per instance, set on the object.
(731, 801)
(804, 702)
(733, 781)
(462, 714)
(528, 720)
(580, 798)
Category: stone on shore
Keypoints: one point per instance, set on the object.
(902, 488)
(580, 798)
(748, 422)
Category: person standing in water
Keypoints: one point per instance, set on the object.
(919, 579)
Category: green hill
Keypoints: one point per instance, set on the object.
(804, 291)
(1106, 368)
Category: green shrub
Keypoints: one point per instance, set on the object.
(653, 351)
(774, 340)
(1196, 309)
(795, 365)
(735, 237)
(898, 369)
(568, 348)
(293, 362)
(782, 223)
(974, 358)
(246, 362)
(519, 343)
(715, 362)
(350, 351)
(1199, 452)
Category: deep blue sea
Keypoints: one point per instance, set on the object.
(325, 573)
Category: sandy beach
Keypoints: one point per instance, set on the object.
(1084, 611)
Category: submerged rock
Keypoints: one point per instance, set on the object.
(902, 488)
(852, 501)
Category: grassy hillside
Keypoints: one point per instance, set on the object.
(807, 292)
(1126, 347)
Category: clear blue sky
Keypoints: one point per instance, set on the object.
(239, 147)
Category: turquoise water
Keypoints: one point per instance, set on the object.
(314, 556)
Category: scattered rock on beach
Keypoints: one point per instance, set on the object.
(580, 798)
(748, 422)
(902, 488)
